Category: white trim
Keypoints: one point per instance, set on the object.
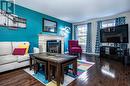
(72, 32)
(91, 53)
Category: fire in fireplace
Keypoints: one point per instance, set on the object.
(54, 46)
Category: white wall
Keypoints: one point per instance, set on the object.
(94, 26)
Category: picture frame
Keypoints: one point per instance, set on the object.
(49, 26)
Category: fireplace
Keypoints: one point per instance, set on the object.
(53, 46)
(43, 38)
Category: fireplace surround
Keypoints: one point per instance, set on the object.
(43, 39)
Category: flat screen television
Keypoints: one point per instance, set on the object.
(117, 34)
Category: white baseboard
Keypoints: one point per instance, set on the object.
(96, 54)
(66, 52)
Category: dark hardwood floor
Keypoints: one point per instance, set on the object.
(119, 75)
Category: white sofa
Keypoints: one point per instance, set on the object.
(9, 61)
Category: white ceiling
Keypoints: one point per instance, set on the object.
(77, 10)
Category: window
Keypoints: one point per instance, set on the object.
(108, 23)
(82, 36)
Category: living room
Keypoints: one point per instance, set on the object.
(64, 43)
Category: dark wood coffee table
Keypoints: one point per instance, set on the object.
(57, 60)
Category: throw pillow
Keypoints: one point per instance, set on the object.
(24, 46)
(19, 51)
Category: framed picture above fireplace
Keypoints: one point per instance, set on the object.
(49, 26)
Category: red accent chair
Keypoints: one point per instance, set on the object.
(74, 47)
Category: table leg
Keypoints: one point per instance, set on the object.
(45, 69)
(58, 73)
(35, 66)
(30, 63)
(62, 74)
(75, 67)
(49, 76)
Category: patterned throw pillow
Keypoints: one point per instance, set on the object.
(24, 46)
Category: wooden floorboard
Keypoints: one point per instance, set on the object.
(18, 78)
(92, 77)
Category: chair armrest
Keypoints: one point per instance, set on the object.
(79, 46)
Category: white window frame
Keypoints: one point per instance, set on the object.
(83, 45)
(108, 23)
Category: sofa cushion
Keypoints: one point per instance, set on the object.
(16, 44)
(22, 57)
(7, 59)
(19, 51)
(5, 48)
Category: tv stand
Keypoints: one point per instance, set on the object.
(111, 52)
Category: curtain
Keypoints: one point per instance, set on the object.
(97, 45)
(121, 21)
(89, 39)
(75, 32)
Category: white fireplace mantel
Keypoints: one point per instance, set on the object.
(43, 38)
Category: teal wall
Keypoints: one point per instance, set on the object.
(34, 27)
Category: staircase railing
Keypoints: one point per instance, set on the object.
(7, 14)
